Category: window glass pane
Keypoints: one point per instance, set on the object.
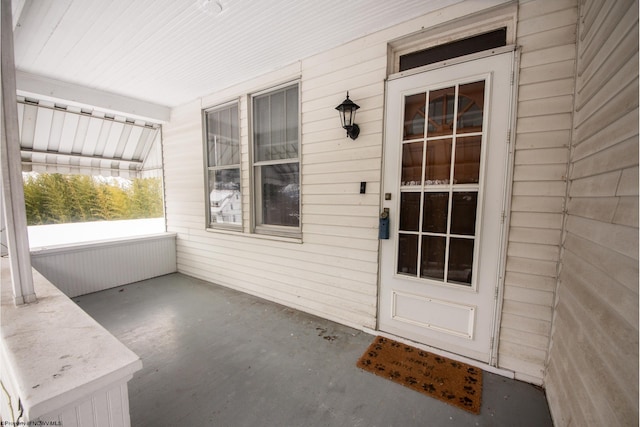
(276, 125)
(438, 166)
(412, 163)
(276, 119)
(460, 260)
(414, 116)
(467, 162)
(292, 123)
(223, 145)
(441, 110)
(223, 150)
(235, 135)
(261, 128)
(470, 105)
(280, 194)
(408, 254)
(212, 137)
(433, 250)
(225, 199)
(436, 208)
(409, 211)
(463, 213)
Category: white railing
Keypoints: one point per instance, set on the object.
(58, 366)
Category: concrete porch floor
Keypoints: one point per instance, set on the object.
(216, 357)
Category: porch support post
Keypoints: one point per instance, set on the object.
(12, 189)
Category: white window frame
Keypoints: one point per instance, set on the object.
(207, 168)
(256, 211)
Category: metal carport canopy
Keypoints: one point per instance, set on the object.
(72, 129)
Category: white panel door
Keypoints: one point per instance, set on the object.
(446, 154)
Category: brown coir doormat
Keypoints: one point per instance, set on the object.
(453, 382)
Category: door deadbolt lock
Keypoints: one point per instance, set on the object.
(383, 226)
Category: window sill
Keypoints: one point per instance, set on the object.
(232, 228)
(288, 239)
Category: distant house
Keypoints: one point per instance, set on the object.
(225, 206)
(498, 142)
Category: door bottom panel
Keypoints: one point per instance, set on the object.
(435, 314)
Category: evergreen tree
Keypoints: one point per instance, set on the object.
(83, 196)
(56, 198)
(34, 200)
(120, 201)
(146, 198)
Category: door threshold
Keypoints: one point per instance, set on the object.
(478, 364)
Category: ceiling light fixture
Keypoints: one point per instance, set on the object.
(210, 7)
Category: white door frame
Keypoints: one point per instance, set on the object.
(489, 357)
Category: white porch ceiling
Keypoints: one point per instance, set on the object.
(168, 52)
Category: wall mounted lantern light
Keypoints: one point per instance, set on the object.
(347, 112)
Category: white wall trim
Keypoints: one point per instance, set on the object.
(48, 89)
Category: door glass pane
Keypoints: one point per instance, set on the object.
(409, 211)
(467, 161)
(438, 166)
(470, 105)
(225, 201)
(433, 250)
(408, 254)
(414, 116)
(460, 260)
(441, 110)
(463, 213)
(280, 194)
(412, 163)
(446, 212)
(436, 208)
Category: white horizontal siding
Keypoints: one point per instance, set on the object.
(332, 272)
(546, 35)
(592, 376)
(183, 169)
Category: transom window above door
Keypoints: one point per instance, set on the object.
(440, 183)
(454, 49)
